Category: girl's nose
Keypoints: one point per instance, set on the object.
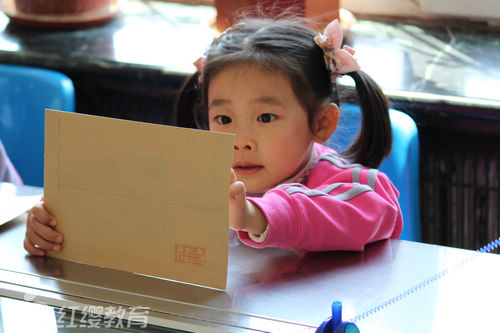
(245, 147)
(243, 143)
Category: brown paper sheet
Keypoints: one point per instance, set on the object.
(139, 197)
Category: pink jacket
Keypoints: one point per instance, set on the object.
(340, 206)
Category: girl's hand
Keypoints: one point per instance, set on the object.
(40, 233)
(243, 214)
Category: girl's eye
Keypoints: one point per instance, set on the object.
(223, 120)
(266, 117)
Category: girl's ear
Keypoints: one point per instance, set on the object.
(325, 122)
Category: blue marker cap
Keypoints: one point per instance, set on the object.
(335, 323)
(336, 313)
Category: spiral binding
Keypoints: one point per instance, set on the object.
(485, 249)
(490, 247)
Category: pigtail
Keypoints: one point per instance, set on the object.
(186, 103)
(374, 140)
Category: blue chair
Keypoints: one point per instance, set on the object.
(401, 165)
(25, 93)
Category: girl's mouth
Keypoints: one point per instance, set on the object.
(247, 168)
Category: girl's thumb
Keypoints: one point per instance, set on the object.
(233, 176)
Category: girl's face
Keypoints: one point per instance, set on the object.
(273, 140)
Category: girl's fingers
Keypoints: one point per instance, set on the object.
(237, 191)
(42, 243)
(237, 205)
(42, 215)
(40, 235)
(44, 231)
(30, 247)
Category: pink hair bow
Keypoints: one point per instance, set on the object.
(200, 64)
(338, 60)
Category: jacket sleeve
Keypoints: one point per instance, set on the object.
(340, 214)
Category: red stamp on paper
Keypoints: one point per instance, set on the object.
(190, 255)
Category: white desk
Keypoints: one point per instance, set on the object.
(278, 290)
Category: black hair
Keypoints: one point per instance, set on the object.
(287, 46)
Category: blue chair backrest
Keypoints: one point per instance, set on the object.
(25, 93)
(401, 165)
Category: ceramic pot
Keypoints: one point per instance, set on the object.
(60, 7)
(320, 12)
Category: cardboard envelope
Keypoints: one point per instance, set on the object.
(139, 197)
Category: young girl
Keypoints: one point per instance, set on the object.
(272, 84)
